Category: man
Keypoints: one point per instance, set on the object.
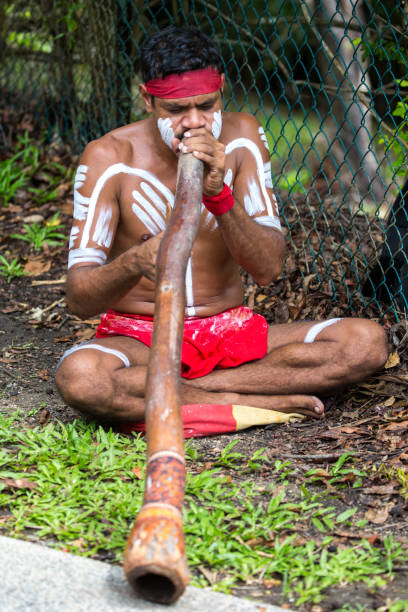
(124, 191)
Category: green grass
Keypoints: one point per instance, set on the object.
(39, 234)
(10, 269)
(28, 171)
(75, 487)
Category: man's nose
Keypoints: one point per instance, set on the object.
(194, 119)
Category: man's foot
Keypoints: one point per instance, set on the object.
(309, 405)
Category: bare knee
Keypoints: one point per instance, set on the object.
(367, 347)
(84, 384)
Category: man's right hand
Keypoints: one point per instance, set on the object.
(146, 255)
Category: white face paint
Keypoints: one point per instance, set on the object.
(165, 127)
(216, 126)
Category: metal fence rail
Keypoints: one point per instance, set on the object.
(327, 79)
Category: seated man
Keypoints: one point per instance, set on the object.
(124, 192)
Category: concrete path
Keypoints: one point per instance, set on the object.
(36, 578)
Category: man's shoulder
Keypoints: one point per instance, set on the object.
(239, 125)
(116, 145)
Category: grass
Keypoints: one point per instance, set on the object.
(10, 269)
(79, 488)
(39, 234)
(28, 170)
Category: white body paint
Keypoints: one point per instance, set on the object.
(80, 202)
(190, 310)
(263, 137)
(97, 347)
(80, 176)
(87, 255)
(317, 328)
(73, 236)
(253, 200)
(108, 174)
(165, 127)
(268, 175)
(228, 178)
(216, 125)
(102, 235)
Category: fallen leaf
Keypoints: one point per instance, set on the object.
(350, 430)
(18, 483)
(320, 473)
(13, 308)
(271, 582)
(63, 339)
(67, 208)
(392, 361)
(372, 539)
(390, 401)
(36, 218)
(387, 489)
(85, 334)
(137, 472)
(44, 417)
(208, 574)
(44, 374)
(396, 425)
(380, 515)
(35, 267)
(306, 281)
(261, 297)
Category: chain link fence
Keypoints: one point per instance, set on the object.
(327, 79)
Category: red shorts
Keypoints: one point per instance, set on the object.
(224, 340)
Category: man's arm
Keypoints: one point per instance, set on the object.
(258, 249)
(92, 284)
(251, 228)
(93, 289)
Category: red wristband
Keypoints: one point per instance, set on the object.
(221, 203)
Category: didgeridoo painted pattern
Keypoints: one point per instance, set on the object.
(155, 562)
(210, 419)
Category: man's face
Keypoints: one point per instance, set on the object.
(176, 116)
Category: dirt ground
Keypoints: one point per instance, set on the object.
(370, 419)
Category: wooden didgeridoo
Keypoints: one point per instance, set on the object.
(155, 562)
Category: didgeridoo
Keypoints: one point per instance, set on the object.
(155, 562)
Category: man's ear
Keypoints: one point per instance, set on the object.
(147, 99)
(222, 75)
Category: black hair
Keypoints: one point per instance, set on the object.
(178, 49)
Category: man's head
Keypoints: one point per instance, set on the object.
(183, 82)
(176, 50)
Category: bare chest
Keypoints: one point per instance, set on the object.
(146, 201)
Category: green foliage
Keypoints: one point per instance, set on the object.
(399, 474)
(76, 487)
(11, 178)
(38, 234)
(10, 269)
(26, 168)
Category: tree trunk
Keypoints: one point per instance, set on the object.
(344, 71)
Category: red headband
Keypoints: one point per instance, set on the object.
(186, 84)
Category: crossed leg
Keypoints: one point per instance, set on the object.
(108, 380)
